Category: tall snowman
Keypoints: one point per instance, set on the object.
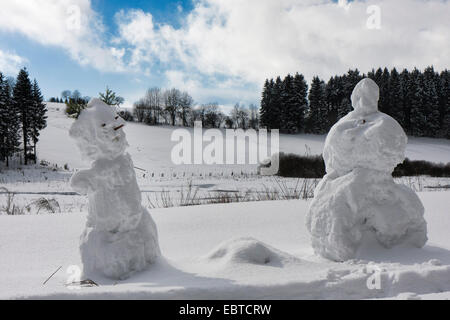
(120, 237)
(358, 201)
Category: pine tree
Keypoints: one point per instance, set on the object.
(300, 101)
(9, 122)
(344, 108)
(336, 93)
(265, 111)
(417, 117)
(288, 106)
(444, 104)
(4, 104)
(384, 104)
(396, 98)
(38, 116)
(110, 98)
(23, 101)
(376, 75)
(431, 102)
(332, 98)
(350, 80)
(406, 93)
(276, 103)
(317, 115)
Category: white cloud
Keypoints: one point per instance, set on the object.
(255, 39)
(10, 63)
(69, 24)
(210, 89)
(226, 48)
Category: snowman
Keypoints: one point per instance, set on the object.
(358, 202)
(120, 237)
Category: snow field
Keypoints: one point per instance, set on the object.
(203, 249)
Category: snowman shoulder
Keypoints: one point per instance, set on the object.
(391, 130)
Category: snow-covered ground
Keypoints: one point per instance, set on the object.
(209, 253)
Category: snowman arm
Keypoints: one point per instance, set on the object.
(82, 181)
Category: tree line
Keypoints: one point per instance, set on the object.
(418, 100)
(76, 102)
(176, 107)
(22, 116)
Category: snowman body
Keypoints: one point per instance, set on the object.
(358, 199)
(120, 237)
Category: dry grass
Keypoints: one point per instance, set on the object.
(48, 205)
(10, 208)
(279, 190)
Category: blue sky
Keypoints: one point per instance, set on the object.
(217, 50)
(56, 71)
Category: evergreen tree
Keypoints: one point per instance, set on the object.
(276, 103)
(24, 102)
(406, 94)
(265, 111)
(300, 101)
(9, 122)
(417, 117)
(350, 80)
(4, 121)
(110, 98)
(444, 104)
(4, 104)
(396, 98)
(288, 106)
(332, 97)
(384, 104)
(317, 115)
(430, 102)
(38, 119)
(344, 108)
(376, 75)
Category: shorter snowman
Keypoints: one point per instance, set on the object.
(358, 201)
(120, 237)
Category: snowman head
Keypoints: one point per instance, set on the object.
(365, 97)
(98, 131)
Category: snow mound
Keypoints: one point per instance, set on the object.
(248, 251)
